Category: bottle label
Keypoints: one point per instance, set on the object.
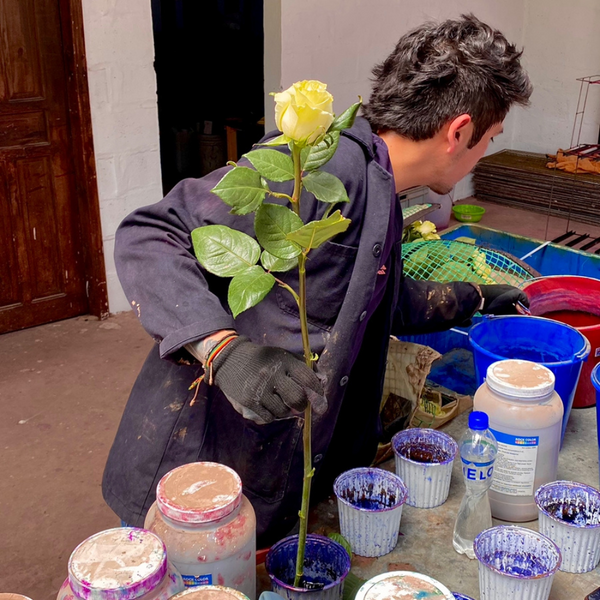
(514, 473)
(196, 580)
(474, 471)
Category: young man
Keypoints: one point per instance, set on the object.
(437, 101)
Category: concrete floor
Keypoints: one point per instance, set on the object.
(63, 388)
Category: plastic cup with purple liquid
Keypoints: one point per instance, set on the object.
(515, 563)
(424, 459)
(569, 514)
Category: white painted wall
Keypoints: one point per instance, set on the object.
(339, 42)
(562, 43)
(120, 52)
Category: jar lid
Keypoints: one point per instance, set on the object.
(199, 493)
(7, 596)
(403, 585)
(123, 563)
(210, 592)
(520, 379)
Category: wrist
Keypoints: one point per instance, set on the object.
(481, 296)
(201, 349)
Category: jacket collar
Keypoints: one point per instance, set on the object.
(362, 134)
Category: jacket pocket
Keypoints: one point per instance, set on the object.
(267, 455)
(328, 273)
(261, 455)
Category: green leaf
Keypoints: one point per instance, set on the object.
(277, 265)
(243, 189)
(272, 224)
(352, 584)
(272, 164)
(248, 288)
(341, 540)
(325, 186)
(313, 234)
(224, 251)
(313, 157)
(280, 140)
(346, 119)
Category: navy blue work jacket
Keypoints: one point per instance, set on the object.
(178, 302)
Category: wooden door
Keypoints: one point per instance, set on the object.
(41, 267)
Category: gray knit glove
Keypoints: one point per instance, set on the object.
(264, 383)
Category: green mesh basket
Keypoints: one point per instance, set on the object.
(448, 260)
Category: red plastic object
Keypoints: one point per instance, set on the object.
(261, 555)
(575, 301)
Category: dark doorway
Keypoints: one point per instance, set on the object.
(209, 68)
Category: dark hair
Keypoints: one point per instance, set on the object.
(440, 71)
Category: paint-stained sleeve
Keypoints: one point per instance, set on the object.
(427, 306)
(175, 300)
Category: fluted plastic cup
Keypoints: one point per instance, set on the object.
(515, 563)
(428, 483)
(577, 533)
(370, 505)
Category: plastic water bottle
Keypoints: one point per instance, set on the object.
(478, 450)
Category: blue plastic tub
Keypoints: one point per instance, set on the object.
(555, 345)
(596, 382)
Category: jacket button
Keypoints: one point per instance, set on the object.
(363, 314)
(377, 250)
(317, 458)
(344, 380)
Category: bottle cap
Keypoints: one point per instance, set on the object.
(124, 563)
(520, 379)
(478, 421)
(199, 492)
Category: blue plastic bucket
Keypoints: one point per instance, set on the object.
(596, 382)
(555, 345)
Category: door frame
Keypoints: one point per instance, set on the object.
(86, 187)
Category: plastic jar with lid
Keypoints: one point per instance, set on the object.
(207, 525)
(525, 417)
(125, 563)
(210, 592)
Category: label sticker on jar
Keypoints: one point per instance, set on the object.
(196, 580)
(514, 470)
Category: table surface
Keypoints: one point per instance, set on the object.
(425, 542)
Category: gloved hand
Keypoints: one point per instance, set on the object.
(501, 299)
(264, 383)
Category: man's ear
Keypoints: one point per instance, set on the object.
(459, 133)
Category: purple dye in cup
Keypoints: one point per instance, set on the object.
(573, 513)
(517, 552)
(423, 452)
(519, 564)
(570, 502)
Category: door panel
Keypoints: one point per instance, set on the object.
(41, 276)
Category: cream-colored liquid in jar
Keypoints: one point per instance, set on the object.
(526, 417)
(208, 526)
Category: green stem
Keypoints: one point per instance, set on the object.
(307, 433)
(279, 195)
(289, 289)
